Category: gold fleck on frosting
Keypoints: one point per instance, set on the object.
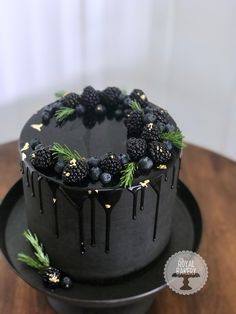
(143, 96)
(89, 192)
(96, 191)
(37, 127)
(54, 200)
(25, 147)
(145, 183)
(23, 156)
(162, 167)
(150, 126)
(108, 206)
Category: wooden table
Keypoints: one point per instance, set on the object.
(212, 179)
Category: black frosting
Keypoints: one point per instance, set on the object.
(95, 233)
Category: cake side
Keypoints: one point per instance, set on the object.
(98, 230)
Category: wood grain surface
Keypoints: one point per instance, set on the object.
(212, 179)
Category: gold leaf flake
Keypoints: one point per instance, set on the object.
(145, 183)
(67, 174)
(143, 97)
(150, 126)
(23, 156)
(54, 200)
(96, 191)
(89, 192)
(107, 206)
(37, 127)
(25, 147)
(162, 167)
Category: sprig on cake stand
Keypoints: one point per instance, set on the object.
(52, 277)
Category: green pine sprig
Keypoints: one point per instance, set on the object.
(41, 259)
(64, 152)
(63, 114)
(60, 93)
(127, 177)
(175, 137)
(136, 106)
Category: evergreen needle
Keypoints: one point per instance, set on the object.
(128, 174)
(175, 137)
(63, 114)
(136, 106)
(29, 261)
(60, 93)
(64, 152)
(42, 258)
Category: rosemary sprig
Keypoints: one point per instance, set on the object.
(175, 137)
(30, 261)
(64, 152)
(63, 114)
(42, 260)
(60, 93)
(128, 174)
(136, 106)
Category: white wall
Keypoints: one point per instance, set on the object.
(181, 52)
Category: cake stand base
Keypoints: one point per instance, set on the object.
(133, 295)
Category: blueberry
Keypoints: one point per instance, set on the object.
(38, 146)
(95, 173)
(145, 164)
(80, 110)
(123, 158)
(34, 142)
(46, 117)
(118, 114)
(59, 166)
(122, 97)
(66, 282)
(50, 109)
(148, 109)
(105, 178)
(93, 161)
(168, 145)
(149, 118)
(170, 127)
(127, 101)
(161, 126)
(100, 110)
(57, 105)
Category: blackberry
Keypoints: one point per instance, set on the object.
(161, 115)
(136, 148)
(111, 97)
(75, 172)
(158, 152)
(110, 164)
(150, 132)
(71, 100)
(90, 98)
(42, 158)
(134, 123)
(140, 97)
(52, 277)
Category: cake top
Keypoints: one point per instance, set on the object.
(101, 139)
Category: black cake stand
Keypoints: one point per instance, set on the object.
(134, 295)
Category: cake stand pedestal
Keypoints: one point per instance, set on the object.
(133, 295)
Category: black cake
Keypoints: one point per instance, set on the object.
(100, 173)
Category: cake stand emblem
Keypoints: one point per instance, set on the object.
(186, 272)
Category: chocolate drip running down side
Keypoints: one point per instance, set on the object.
(157, 188)
(54, 202)
(32, 183)
(108, 200)
(40, 194)
(93, 221)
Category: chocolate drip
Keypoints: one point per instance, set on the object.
(166, 176)
(32, 183)
(142, 198)
(93, 239)
(81, 228)
(78, 205)
(40, 194)
(22, 169)
(108, 199)
(27, 177)
(157, 189)
(53, 188)
(173, 177)
(134, 190)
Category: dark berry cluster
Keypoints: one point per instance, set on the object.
(144, 121)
